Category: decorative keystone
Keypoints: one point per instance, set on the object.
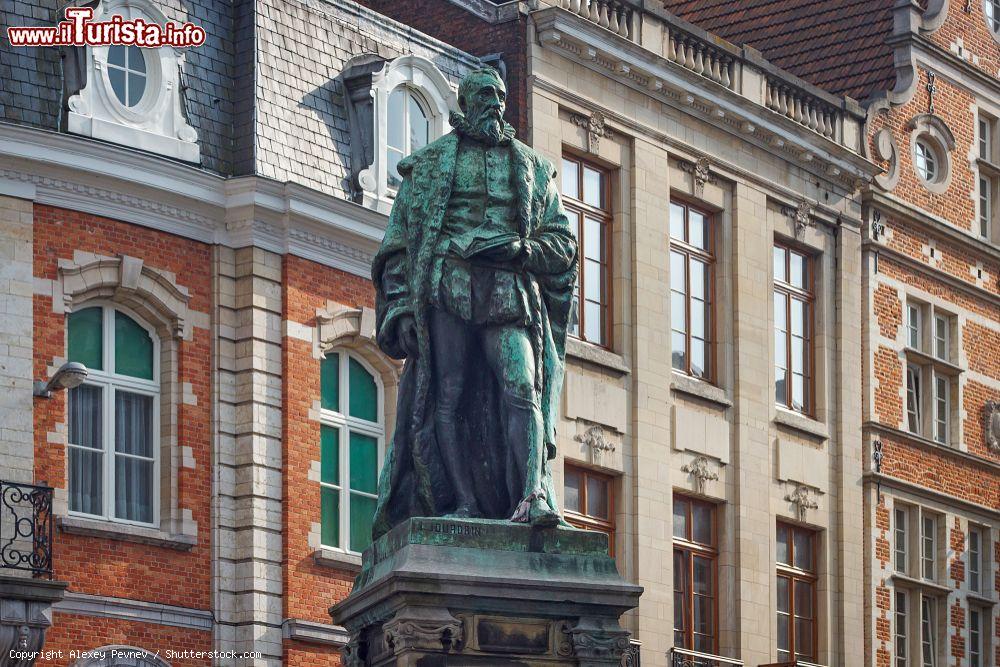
(596, 127)
(594, 438)
(699, 469)
(804, 499)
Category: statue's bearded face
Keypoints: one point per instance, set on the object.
(484, 107)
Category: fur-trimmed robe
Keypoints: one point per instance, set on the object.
(413, 481)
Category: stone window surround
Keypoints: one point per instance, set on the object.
(932, 130)
(352, 330)
(994, 33)
(156, 298)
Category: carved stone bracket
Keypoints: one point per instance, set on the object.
(593, 643)
(699, 469)
(596, 127)
(803, 497)
(594, 438)
(991, 414)
(423, 629)
(801, 216)
(701, 169)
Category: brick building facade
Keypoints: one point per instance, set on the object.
(763, 251)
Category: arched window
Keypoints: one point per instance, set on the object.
(408, 128)
(352, 435)
(113, 417)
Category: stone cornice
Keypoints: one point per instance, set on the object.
(630, 64)
(930, 445)
(887, 481)
(115, 182)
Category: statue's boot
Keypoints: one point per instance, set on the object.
(524, 433)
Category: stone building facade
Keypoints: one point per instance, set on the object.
(752, 244)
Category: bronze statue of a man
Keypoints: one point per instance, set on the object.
(474, 283)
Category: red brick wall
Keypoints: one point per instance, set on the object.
(117, 568)
(972, 30)
(466, 31)
(310, 589)
(70, 632)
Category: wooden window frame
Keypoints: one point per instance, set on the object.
(690, 549)
(578, 209)
(808, 296)
(583, 519)
(797, 575)
(707, 256)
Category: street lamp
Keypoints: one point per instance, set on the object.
(71, 374)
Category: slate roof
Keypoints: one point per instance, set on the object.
(838, 45)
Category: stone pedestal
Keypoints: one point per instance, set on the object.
(465, 592)
(25, 616)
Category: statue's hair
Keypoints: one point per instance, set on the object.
(475, 78)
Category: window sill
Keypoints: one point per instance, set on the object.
(981, 600)
(598, 356)
(923, 585)
(915, 356)
(702, 389)
(805, 425)
(110, 530)
(340, 560)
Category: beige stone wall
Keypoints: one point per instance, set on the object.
(16, 321)
(756, 454)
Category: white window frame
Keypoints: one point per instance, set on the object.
(986, 190)
(975, 557)
(439, 96)
(901, 535)
(110, 382)
(942, 343)
(914, 315)
(914, 399)
(928, 546)
(344, 424)
(942, 398)
(901, 631)
(927, 162)
(979, 636)
(928, 631)
(991, 12)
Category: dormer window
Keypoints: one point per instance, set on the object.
(408, 126)
(130, 95)
(394, 108)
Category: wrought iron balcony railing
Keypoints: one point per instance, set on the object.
(631, 657)
(26, 528)
(682, 657)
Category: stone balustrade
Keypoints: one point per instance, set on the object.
(615, 16)
(802, 107)
(700, 57)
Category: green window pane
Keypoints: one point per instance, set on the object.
(133, 348)
(86, 337)
(329, 517)
(362, 513)
(329, 382)
(363, 393)
(329, 443)
(364, 463)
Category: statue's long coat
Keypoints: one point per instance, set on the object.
(413, 481)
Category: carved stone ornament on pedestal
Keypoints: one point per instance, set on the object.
(801, 216)
(699, 469)
(803, 497)
(596, 127)
(701, 169)
(991, 414)
(594, 438)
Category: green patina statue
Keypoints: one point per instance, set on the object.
(474, 284)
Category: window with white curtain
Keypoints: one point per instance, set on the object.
(113, 417)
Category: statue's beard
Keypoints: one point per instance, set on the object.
(486, 126)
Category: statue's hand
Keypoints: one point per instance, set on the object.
(506, 252)
(406, 332)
